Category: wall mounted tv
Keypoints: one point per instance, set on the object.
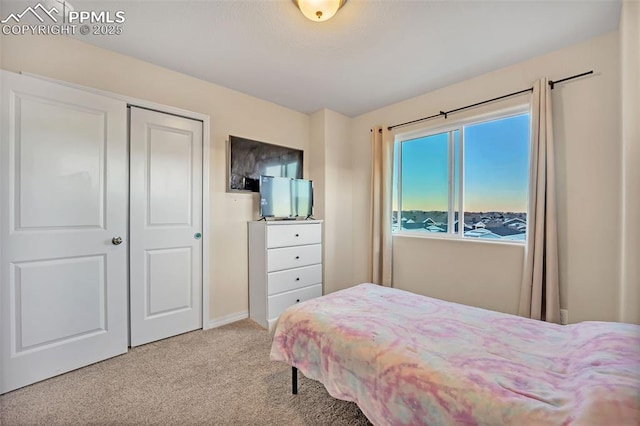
(249, 159)
(285, 198)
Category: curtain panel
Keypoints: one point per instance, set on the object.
(539, 291)
(381, 206)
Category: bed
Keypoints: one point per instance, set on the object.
(407, 359)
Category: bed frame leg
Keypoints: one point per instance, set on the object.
(294, 380)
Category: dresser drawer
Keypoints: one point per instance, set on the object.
(293, 235)
(293, 257)
(280, 302)
(291, 279)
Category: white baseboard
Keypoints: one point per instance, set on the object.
(226, 319)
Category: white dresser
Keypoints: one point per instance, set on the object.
(285, 266)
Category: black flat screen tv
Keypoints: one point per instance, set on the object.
(282, 197)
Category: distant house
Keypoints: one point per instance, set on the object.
(445, 227)
(481, 233)
(428, 221)
(480, 225)
(434, 228)
(515, 222)
(411, 224)
(465, 225)
(505, 231)
(515, 237)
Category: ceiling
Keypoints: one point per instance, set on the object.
(371, 54)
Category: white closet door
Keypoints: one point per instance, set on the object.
(63, 198)
(165, 225)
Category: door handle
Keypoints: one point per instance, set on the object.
(116, 241)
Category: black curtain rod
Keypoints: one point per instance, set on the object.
(446, 113)
(553, 83)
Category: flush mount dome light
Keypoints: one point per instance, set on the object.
(319, 10)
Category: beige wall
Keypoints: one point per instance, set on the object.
(460, 271)
(587, 134)
(231, 112)
(330, 170)
(338, 235)
(317, 148)
(630, 56)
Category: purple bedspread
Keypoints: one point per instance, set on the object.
(407, 359)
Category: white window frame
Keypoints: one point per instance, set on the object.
(450, 128)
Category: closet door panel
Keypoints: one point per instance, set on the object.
(166, 225)
(63, 199)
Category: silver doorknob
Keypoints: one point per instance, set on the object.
(116, 241)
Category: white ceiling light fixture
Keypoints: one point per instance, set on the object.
(319, 10)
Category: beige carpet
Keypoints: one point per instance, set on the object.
(221, 376)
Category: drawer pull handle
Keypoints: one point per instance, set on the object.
(297, 257)
(297, 279)
(297, 235)
(297, 300)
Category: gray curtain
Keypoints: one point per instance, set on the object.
(540, 292)
(381, 205)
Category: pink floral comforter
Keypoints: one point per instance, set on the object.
(407, 359)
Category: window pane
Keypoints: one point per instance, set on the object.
(456, 179)
(496, 172)
(424, 179)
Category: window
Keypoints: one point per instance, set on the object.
(478, 171)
